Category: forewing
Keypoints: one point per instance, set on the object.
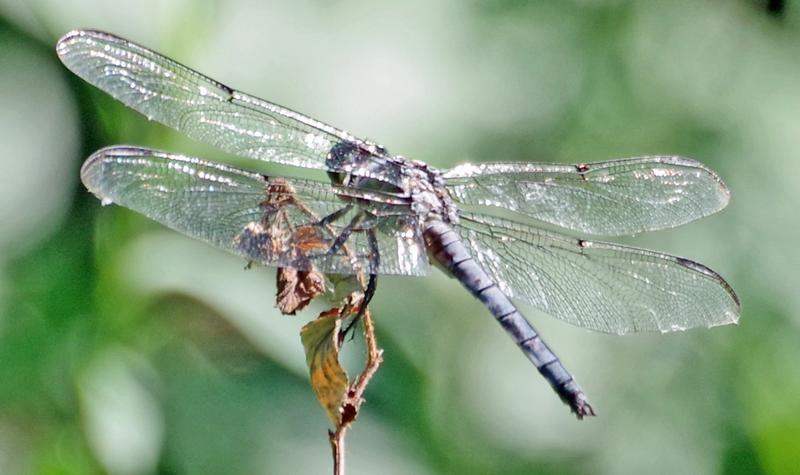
(601, 286)
(273, 221)
(202, 108)
(612, 198)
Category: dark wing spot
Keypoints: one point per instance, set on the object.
(228, 91)
(700, 268)
(582, 168)
(695, 266)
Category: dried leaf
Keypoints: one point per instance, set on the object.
(328, 378)
(297, 288)
(286, 230)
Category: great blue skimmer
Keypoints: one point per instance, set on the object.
(383, 214)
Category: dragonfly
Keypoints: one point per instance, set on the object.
(506, 231)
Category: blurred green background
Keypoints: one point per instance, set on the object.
(128, 349)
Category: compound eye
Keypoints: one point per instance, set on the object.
(340, 153)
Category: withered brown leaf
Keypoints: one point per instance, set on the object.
(296, 288)
(320, 339)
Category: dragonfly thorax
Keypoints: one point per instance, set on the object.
(430, 199)
(369, 166)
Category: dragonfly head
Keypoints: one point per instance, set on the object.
(363, 165)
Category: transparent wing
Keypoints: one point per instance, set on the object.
(273, 221)
(203, 108)
(597, 285)
(612, 198)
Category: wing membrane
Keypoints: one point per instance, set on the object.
(202, 108)
(274, 221)
(596, 285)
(610, 198)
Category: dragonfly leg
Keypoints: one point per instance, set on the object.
(374, 263)
(344, 235)
(340, 239)
(362, 222)
(372, 282)
(325, 221)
